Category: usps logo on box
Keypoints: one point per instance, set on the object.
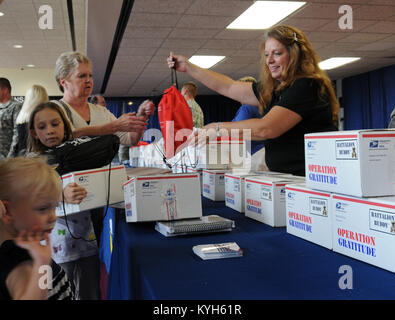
(83, 179)
(291, 195)
(341, 206)
(373, 144)
(149, 186)
(379, 145)
(311, 145)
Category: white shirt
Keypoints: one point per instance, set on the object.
(98, 116)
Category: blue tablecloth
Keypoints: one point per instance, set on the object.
(146, 265)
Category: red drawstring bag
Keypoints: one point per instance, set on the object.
(174, 115)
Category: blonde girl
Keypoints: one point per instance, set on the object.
(74, 246)
(29, 193)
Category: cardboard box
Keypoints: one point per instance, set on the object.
(134, 154)
(162, 197)
(297, 179)
(364, 229)
(214, 184)
(265, 199)
(359, 163)
(235, 191)
(309, 214)
(200, 174)
(95, 181)
(222, 155)
(235, 186)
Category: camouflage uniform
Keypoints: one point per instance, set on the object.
(8, 114)
(197, 113)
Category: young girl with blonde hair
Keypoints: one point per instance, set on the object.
(74, 246)
(29, 193)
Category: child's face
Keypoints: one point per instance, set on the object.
(31, 212)
(48, 127)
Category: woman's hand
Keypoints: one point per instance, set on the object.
(146, 109)
(73, 193)
(31, 241)
(178, 62)
(202, 136)
(129, 122)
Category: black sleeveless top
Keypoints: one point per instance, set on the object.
(286, 152)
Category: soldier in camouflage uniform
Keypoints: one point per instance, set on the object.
(189, 91)
(9, 109)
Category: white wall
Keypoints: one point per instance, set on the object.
(21, 80)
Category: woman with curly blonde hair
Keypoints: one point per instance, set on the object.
(294, 95)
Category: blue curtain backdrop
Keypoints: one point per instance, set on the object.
(368, 99)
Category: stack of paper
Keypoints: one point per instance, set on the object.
(211, 223)
(218, 251)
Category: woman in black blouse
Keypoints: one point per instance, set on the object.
(294, 96)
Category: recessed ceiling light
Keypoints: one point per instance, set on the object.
(336, 62)
(206, 61)
(18, 46)
(30, 65)
(264, 14)
(1, 14)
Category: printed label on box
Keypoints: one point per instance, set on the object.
(358, 242)
(346, 149)
(254, 206)
(169, 202)
(266, 193)
(128, 209)
(382, 221)
(322, 174)
(229, 198)
(236, 185)
(300, 221)
(318, 206)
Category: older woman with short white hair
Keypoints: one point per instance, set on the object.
(79, 258)
(73, 73)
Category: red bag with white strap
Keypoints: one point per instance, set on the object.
(175, 120)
